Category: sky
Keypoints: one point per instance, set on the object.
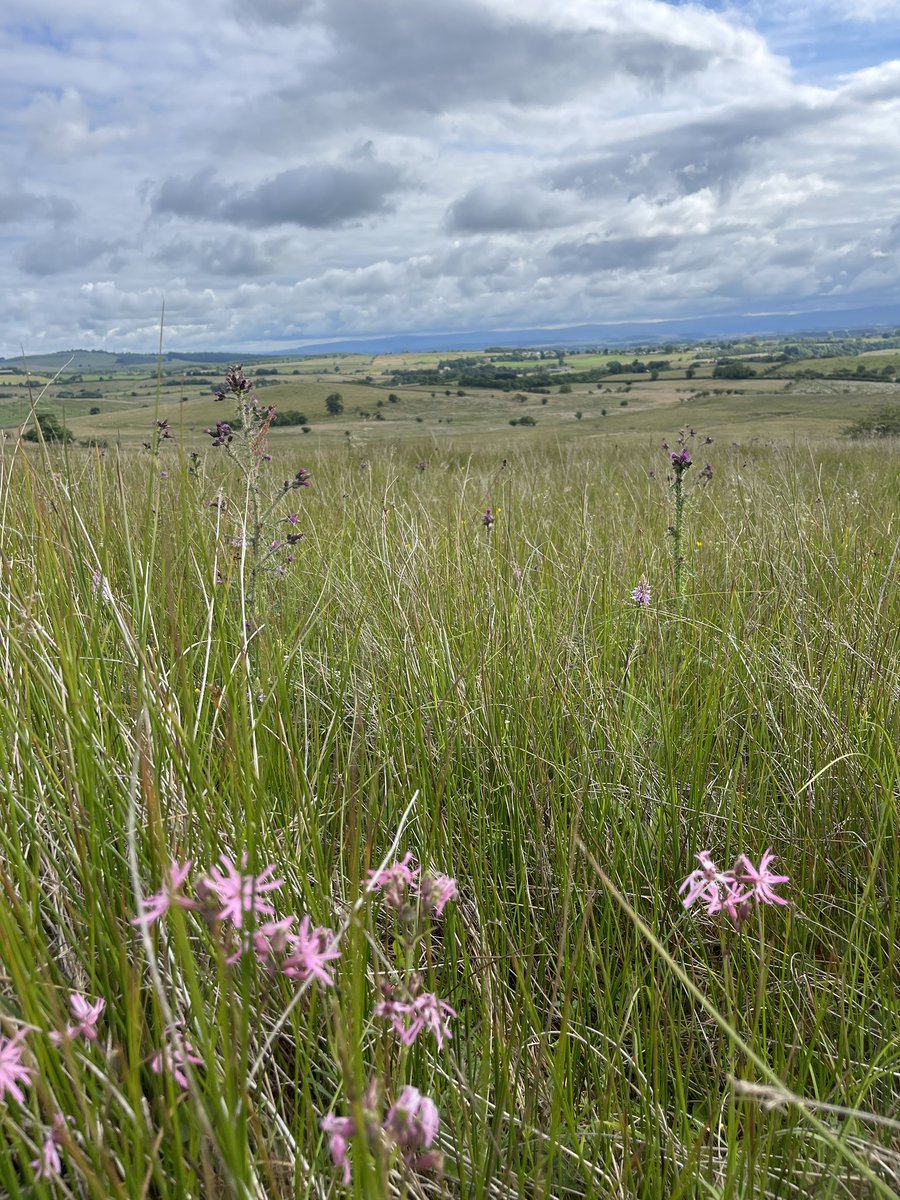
(286, 171)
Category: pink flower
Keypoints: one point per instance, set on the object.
(241, 894)
(311, 950)
(762, 881)
(394, 881)
(12, 1072)
(732, 902)
(718, 889)
(173, 1058)
(410, 1019)
(48, 1164)
(436, 891)
(155, 906)
(272, 940)
(412, 1123)
(86, 1016)
(341, 1132)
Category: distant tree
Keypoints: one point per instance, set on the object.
(654, 375)
(733, 369)
(51, 429)
(565, 389)
(393, 398)
(334, 403)
(690, 373)
(579, 414)
(93, 411)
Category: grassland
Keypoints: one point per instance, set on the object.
(490, 700)
(118, 405)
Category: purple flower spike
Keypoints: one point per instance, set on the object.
(641, 594)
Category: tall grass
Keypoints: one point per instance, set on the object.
(491, 701)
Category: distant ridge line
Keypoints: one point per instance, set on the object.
(619, 334)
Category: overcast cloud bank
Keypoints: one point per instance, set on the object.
(283, 170)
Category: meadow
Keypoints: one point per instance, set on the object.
(424, 684)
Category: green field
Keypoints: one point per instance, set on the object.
(183, 682)
(774, 404)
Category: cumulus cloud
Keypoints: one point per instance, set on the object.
(316, 196)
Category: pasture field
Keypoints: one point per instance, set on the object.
(186, 678)
(381, 407)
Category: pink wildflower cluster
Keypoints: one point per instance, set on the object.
(14, 1073)
(732, 892)
(412, 1017)
(231, 895)
(401, 880)
(410, 1127)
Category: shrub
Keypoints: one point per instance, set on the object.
(290, 416)
(334, 404)
(882, 423)
(51, 429)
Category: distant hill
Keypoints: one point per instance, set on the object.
(688, 329)
(700, 329)
(105, 360)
